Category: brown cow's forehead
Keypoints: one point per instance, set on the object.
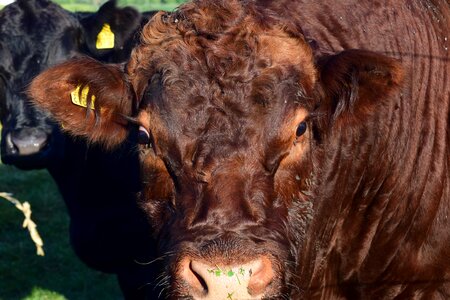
(284, 50)
(178, 49)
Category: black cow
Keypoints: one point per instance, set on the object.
(104, 227)
(34, 35)
(36, 38)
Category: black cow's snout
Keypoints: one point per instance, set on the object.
(27, 141)
(26, 148)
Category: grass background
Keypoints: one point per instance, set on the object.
(140, 5)
(59, 274)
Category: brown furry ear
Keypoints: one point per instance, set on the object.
(354, 83)
(88, 98)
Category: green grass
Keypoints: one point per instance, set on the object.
(59, 274)
(140, 7)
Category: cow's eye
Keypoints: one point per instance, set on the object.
(143, 136)
(301, 129)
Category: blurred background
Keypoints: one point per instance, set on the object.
(59, 274)
(93, 5)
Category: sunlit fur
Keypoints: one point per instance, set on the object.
(103, 82)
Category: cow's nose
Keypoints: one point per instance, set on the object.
(28, 140)
(211, 282)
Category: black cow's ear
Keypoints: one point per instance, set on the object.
(88, 98)
(354, 83)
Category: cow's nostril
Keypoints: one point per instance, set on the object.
(193, 278)
(261, 277)
(10, 147)
(246, 281)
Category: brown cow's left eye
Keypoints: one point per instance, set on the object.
(143, 136)
(301, 129)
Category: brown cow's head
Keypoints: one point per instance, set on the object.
(231, 106)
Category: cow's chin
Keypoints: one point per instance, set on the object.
(223, 266)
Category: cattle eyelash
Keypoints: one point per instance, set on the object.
(131, 119)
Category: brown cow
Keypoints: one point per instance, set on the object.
(279, 163)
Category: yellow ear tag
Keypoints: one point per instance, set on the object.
(75, 96)
(105, 38)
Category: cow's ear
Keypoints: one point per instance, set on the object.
(353, 85)
(88, 98)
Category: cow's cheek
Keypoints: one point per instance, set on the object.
(294, 171)
(157, 190)
(298, 152)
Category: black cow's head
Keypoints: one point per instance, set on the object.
(34, 35)
(230, 104)
(37, 34)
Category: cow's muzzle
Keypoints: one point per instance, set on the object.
(26, 148)
(248, 280)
